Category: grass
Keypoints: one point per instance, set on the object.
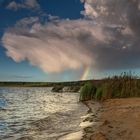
(87, 92)
(122, 86)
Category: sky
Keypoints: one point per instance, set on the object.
(66, 40)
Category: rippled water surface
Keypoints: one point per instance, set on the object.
(38, 114)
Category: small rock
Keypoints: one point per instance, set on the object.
(88, 129)
(89, 111)
(88, 119)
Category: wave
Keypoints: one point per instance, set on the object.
(56, 121)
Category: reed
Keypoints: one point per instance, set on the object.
(87, 92)
(122, 86)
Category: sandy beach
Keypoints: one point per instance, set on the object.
(115, 119)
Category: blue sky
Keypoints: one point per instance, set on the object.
(12, 71)
(67, 39)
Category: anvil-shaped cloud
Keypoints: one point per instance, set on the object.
(106, 38)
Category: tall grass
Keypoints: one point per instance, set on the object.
(87, 92)
(122, 86)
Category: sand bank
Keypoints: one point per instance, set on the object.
(117, 119)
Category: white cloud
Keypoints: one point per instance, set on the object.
(89, 11)
(54, 47)
(29, 4)
(13, 5)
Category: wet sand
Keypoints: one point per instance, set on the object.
(115, 119)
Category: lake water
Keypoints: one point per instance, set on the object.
(38, 114)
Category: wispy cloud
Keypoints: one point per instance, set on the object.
(106, 38)
(29, 4)
(21, 77)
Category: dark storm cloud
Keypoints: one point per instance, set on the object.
(121, 20)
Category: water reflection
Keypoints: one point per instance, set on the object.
(38, 113)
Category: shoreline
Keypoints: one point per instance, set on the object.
(114, 119)
(88, 121)
(91, 119)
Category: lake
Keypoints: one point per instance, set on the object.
(39, 114)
